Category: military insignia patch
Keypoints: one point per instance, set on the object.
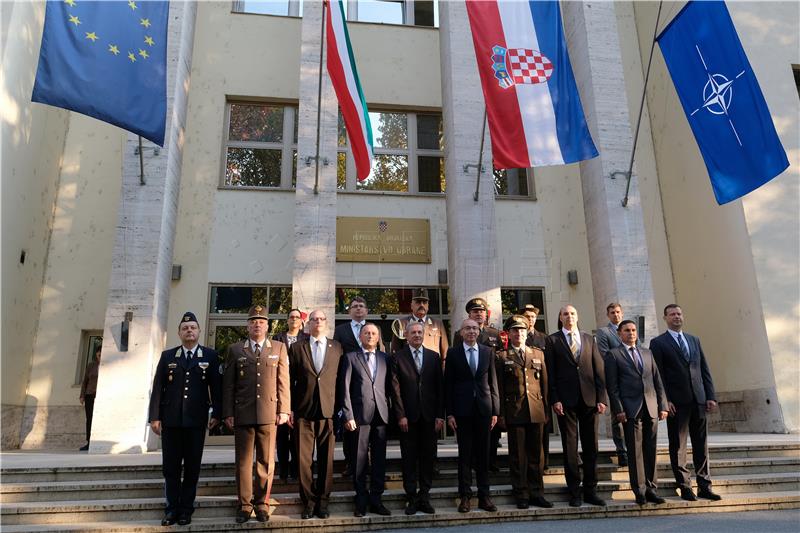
(203, 365)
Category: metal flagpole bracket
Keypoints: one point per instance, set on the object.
(139, 150)
(468, 166)
(313, 158)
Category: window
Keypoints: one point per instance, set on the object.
(515, 299)
(261, 145)
(514, 182)
(408, 154)
(416, 13)
(292, 8)
(237, 300)
(91, 340)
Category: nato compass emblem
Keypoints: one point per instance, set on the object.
(717, 94)
(514, 66)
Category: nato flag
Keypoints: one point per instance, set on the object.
(722, 100)
(106, 60)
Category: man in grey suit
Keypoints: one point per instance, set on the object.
(690, 396)
(363, 386)
(608, 339)
(637, 400)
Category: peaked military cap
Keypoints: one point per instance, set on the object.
(420, 294)
(257, 311)
(476, 303)
(516, 322)
(188, 316)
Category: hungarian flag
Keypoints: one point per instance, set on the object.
(343, 73)
(532, 103)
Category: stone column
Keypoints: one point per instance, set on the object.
(615, 234)
(472, 239)
(314, 269)
(142, 262)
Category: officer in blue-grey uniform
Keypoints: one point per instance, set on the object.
(187, 382)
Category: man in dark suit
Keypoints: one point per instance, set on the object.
(363, 389)
(255, 401)
(187, 381)
(472, 406)
(535, 338)
(690, 396)
(578, 393)
(418, 401)
(637, 400)
(607, 340)
(313, 370)
(522, 387)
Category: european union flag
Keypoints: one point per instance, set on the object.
(722, 100)
(106, 60)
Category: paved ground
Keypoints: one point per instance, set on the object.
(746, 522)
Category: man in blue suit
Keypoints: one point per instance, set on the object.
(363, 387)
(472, 406)
(187, 382)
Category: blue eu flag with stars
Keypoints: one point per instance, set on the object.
(106, 60)
(722, 100)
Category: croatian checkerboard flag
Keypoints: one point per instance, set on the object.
(532, 103)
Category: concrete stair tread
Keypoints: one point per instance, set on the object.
(345, 522)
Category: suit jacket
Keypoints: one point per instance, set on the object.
(608, 339)
(685, 383)
(488, 336)
(256, 389)
(171, 403)
(313, 394)
(343, 334)
(536, 339)
(417, 394)
(569, 380)
(522, 386)
(434, 338)
(629, 389)
(468, 395)
(359, 396)
(281, 337)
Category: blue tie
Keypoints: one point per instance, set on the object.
(473, 361)
(684, 348)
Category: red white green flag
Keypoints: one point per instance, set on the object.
(343, 73)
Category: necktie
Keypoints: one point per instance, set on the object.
(473, 361)
(684, 348)
(317, 357)
(257, 350)
(371, 364)
(358, 330)
(418, 359)
(189, 355)
(573, 345)
(637, 359)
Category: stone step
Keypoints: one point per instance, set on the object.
(225, 485)
(132, 509)
(344, 522)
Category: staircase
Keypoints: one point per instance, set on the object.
(119, 494)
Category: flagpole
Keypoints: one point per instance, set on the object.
(480, 159)
(141, 162)
(641, 107)
(319, 97)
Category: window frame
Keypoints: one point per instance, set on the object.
(294, 8)
(408, 14)
(541, 318)
(85, 353)
(530, 178)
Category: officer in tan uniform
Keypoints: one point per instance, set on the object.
(255, 401)
(522, 386)
(434, 334)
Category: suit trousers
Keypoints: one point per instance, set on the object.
(287, 455)
(640, 437)
(618, 435)
(689, 419)
(579, 421)
(472, 436)
(88, 406)
(368, 444)
(418, 448)
(307, 434)
(525, 459)
(181, 452)
(261, 440)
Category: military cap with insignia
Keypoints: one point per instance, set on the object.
(420, 294)
(257, 311)
(188, 316)
(476, 303)
(516, 322)
(531, 308)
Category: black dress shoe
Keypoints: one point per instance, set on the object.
(575, 501)
(593, 499)
(84, 448)
(523, 504)
(652, 497)
(322, 513)
(622, 459)
(708, 495)
(359, 512)
(379, 508)
(169, 519)
(426, 507)
(487, 505)
(411, 508)
(640, 499)
(464, 505)
(539, 501)
(307, 513)
(185, 520)
(243, 516)
(688, 495)
(262, 516)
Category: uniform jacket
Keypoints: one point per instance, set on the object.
(255, 390)
(488, 336)
(685, 383)
(522, 386)
(417, 394)
(570, 380)
(468, 395)
(359, 396)
(536, 339)
(309, 388)
(434, 337)
(629, 389)
(172, 403)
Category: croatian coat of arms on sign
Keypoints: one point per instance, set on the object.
(515, 66)
(383, 226)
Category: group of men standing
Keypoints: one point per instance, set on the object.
(486, 381)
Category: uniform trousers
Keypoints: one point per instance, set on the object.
(307, 434)
(418, 448)
(526, 459)
(261, 440)
(689, 420)
(579, 421)
(181, 453)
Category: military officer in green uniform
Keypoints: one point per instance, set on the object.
(522, 386)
